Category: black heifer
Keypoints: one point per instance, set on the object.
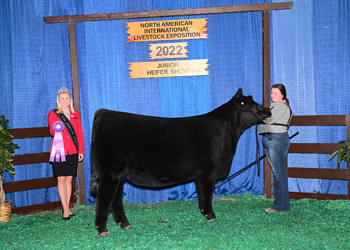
(158, 152)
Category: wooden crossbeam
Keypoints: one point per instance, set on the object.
(314, 148)
(16, 186)
(318, 173)
(317, 196)
(169, 13)
(33, 209)
(319, 120)
(21, 133)
(31, 158)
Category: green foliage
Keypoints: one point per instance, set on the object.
(342, 153)
(7, 148)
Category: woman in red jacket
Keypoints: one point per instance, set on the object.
(74, 152)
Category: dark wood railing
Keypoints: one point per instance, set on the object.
(315, 148)
(16, 186)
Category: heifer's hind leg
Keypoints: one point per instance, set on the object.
(199, 193)
(118, 208)
(205, 190)
(105, 197)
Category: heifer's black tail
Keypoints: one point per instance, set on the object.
(95, 180)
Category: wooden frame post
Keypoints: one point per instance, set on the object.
(76, 100)
(266, 90)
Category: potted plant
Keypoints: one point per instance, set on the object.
(343, 154)
(7, 148)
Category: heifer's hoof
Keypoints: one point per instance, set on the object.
(210, 217)
(101, 233)
(125, 225)
(104, 234)
(212, 220)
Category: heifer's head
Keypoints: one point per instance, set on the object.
(251, 112)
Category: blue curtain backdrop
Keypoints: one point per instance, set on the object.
(310, 55)
(310, 46)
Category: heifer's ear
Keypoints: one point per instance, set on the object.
(238, 94)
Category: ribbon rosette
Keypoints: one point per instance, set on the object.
(57, 145)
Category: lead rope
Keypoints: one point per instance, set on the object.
(257, 148)
(246, 167)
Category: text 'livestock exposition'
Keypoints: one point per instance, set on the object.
(167, 30)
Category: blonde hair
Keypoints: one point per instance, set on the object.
(64, 90)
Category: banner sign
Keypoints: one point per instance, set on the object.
(168, 68)
(167, 50)
(167, 30)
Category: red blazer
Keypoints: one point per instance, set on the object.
(68, 143)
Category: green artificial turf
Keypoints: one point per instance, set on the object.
(241, 224)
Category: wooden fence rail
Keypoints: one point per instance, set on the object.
(316, 148)
(23, 159)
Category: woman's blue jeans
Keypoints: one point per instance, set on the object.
(276, 149)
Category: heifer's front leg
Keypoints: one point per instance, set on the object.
(205, 190)
(118, 208)
(105, 197)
